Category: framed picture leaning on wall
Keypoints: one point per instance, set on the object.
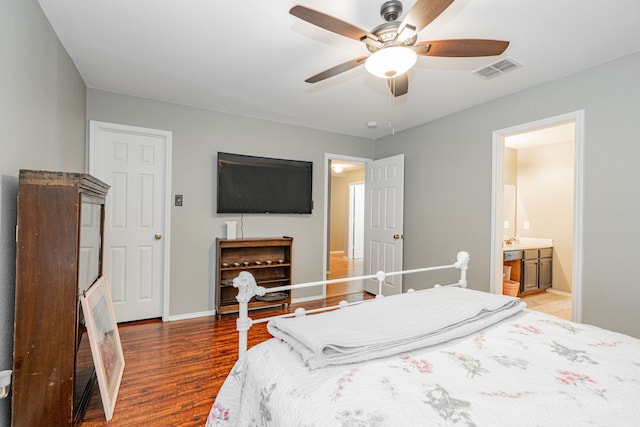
(104, 338)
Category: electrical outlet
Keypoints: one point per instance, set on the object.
(527, 225)
(178, 200)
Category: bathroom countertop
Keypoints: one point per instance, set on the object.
(528, 243)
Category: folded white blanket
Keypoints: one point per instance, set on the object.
(392, 325)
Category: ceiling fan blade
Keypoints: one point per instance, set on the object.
(399, 85)
(461, 47)
(334, 71)
(330, 23)
(419, 16)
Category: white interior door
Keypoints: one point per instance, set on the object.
(135, 163)
(384, 203)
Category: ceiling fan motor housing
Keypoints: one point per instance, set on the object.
(386, 32)
(391, 10)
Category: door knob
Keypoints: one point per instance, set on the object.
(158, 236)
(397, 236)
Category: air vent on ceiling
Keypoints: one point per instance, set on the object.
(497, 68)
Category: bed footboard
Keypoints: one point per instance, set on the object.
(248, 288)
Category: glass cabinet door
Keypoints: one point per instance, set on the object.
(89, 268)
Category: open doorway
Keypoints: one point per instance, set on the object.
(538, 175)
(345, 224)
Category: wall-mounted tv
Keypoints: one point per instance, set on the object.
(250, 184)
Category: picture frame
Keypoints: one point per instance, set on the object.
(106, 348)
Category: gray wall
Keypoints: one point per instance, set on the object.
(448, 183)
(197, 137)
(42, 119)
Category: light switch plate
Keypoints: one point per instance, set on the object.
(178, 200)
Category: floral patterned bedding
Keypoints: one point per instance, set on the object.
(531, 369)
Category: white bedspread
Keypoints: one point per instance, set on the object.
(392, 324)
(529, 370)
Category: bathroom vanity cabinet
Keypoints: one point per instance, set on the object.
(531, 267)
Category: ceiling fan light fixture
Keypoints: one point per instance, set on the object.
(391, 61)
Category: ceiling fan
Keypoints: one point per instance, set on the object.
(393, 44)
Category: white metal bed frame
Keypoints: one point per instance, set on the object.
(247, 289)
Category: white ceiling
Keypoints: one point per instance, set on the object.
(549, 135)
(251, 57)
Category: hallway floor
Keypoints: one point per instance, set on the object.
(341, 267)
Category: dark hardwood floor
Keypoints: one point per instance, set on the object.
(173, 370)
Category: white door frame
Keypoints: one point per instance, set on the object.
(353, 214)
(497, 198)
(92, 164)
(327, 178)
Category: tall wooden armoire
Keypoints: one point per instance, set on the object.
(59, 255)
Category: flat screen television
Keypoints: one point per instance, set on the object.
(250, 184)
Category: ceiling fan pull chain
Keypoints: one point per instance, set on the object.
(392, 103)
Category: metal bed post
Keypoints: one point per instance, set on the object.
(463, 264)
(247, 289)
(380, 276)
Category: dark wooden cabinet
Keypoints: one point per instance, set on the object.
(268, 259)
(59, 255)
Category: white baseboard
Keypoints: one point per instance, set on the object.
(189, 316)
(563, 293)
(306, 299)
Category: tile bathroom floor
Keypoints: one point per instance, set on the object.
(550, 303)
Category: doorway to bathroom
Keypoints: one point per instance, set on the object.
(537, 197)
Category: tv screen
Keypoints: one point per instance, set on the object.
(249, 184)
